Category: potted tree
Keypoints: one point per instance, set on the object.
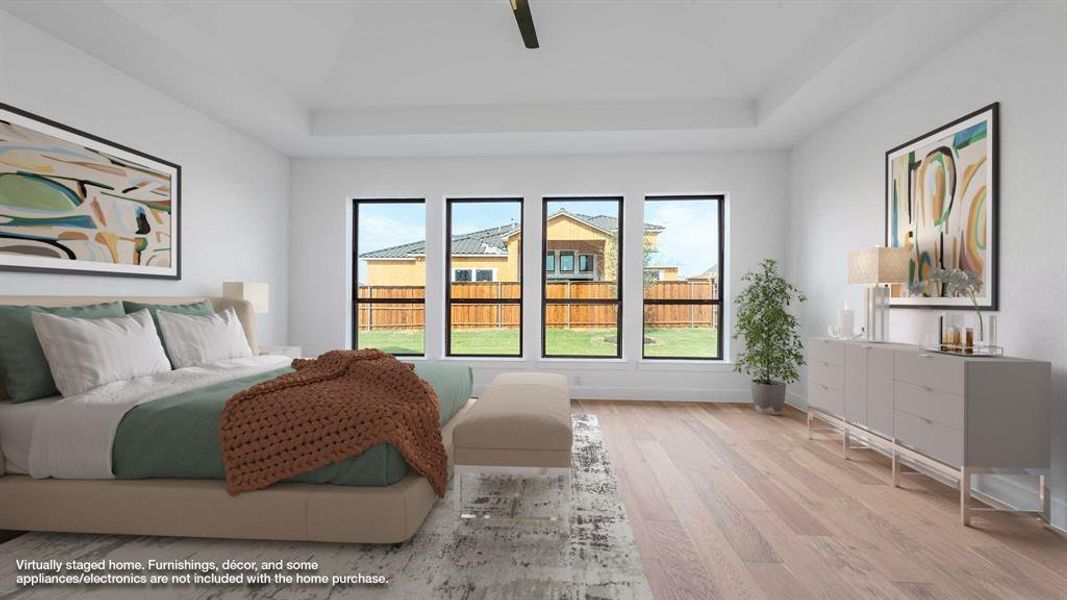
(772, 351)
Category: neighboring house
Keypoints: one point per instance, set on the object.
(575, 251)
(711, 276)
(659, 268)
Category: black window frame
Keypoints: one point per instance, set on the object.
(570, 253)
(592, 263)
(449, 202)
(715, 302)
(617, 301)
(356, 300)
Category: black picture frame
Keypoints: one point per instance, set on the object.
(10, 114)
(992, 301)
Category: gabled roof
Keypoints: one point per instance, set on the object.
(711, 273)
(492, 241)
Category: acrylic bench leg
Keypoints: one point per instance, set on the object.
(457, 488)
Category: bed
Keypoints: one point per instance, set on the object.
(168, 483)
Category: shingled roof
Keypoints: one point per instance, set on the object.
(493, 241)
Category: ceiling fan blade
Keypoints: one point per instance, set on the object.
(521, 10)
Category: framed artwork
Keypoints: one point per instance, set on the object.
(72, 202)
(941, 204)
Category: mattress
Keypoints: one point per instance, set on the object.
(16, 431)
(177, 436)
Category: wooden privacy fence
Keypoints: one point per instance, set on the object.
(571, 315)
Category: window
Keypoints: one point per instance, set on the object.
(566, 262)
(389, 275)
(483, 311)
(585, 263)
(683, 274)
(582, 316)
(550, 262)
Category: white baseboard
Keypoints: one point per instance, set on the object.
(653, 394)
(796, 400)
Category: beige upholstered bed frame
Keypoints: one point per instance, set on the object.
(202, 508)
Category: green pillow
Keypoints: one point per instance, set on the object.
(23, 367)
(203, 307)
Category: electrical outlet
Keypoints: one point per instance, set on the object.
(577, 380)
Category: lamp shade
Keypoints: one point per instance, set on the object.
(875, 266)
(256, 293)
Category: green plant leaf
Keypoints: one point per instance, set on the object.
(772, 348)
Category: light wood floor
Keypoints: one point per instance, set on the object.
(727, 503)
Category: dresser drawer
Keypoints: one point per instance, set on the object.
(932, 439)
(826, 351)
(926, 369)
(928, 403)
(827, 374)
(827, 399)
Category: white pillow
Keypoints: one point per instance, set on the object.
(87, 353)
(201, 339)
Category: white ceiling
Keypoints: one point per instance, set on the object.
(451, 77)
(334, 55)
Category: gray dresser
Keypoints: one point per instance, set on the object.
(956, 415)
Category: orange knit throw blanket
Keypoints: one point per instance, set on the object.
(332, 407)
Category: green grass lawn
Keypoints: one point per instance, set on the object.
(486, 341)
(398, 341)
(464, 341)
(694, 342)
(682, 342)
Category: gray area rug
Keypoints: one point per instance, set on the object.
(449, 558)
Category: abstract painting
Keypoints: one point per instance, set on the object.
(941, 204)
(76, 203)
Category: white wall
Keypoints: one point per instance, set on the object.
(320, 254)
(837, 178)
(235, 191)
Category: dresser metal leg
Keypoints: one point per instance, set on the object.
(811, 418)
(1043, 496)
(896, 468)
(844, 444)
(965, 496)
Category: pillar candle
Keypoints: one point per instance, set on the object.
(845, 322)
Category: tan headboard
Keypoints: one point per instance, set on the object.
(244, 309)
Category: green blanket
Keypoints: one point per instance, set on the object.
(178, 436)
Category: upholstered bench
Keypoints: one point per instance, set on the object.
(520, 425)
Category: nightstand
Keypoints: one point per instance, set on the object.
(290, 351)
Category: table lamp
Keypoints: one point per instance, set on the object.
(878, 268)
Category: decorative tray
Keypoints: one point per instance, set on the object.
(978, 350)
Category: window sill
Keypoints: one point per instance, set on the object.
(514, 359)
(585, 364)
(668, 364)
